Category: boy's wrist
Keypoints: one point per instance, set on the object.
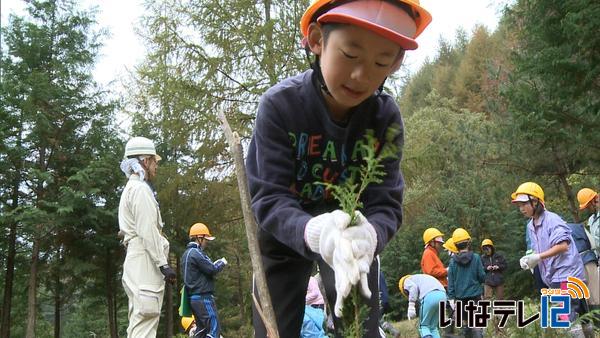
(312, 236)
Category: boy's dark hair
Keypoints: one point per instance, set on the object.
(463, 245)
(328, 28)
(538, 208)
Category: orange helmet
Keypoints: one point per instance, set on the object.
(381, 17)
(200, 229)
(585, 196)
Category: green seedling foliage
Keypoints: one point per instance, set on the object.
(348, 193)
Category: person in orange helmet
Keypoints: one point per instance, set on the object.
(309, 129)
(589, 200)
(430, 261)
(198, 272)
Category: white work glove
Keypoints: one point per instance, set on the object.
(221, 261)
(364, 241)
(529, 261)
(323, 235)
(412, 313)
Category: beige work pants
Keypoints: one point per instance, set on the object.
(145, 287)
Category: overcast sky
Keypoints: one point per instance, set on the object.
(123, 50)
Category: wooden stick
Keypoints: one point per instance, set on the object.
(266, 310)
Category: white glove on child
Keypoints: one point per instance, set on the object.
(222, 260)
(529, 261)
(364, 241)
(323, 235)
(412, 313)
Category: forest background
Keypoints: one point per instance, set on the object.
(491, 110)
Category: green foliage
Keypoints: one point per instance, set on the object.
(554, 92)
(348, 194)
(354, 313)
(371, 171)
(60, 157)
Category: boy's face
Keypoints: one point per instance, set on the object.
(487, 250)
(525, 208)
(354, 63)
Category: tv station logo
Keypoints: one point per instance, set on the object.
(555, 306)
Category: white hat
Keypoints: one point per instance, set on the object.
(521, 198)
(140, 146)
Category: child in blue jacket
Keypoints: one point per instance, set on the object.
(465, 276)
(198, 278)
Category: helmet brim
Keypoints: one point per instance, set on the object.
(382, 18)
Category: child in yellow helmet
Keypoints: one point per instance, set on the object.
(465, 276)
(309, 128)
(494, 265)
(554, 251)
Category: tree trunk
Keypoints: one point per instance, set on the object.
(31, 293)
(110, 296)
(8, 281)
(12, 240)
(57, 302)
(570, 197)
(169, 310)
(268, 56)
(169, 301)
(241, 289)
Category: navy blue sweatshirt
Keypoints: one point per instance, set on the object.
(198, 270)
(296, 144)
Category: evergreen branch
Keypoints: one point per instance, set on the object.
(348, 193)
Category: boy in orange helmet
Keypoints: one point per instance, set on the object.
(309, 128)
(199, 273)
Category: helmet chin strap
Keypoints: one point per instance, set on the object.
(316, 67)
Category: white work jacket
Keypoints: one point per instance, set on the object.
(139, 218)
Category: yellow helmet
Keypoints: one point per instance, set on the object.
(585, 196)
(460, 235)
(381, 17)
(200, 229)
(430, 234)
(450, 246)
(487, 241)
(186, 322)
(528, 188)
(401, 285)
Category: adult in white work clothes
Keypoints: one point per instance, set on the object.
(145, 268)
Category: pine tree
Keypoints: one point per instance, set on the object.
(53, 106)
